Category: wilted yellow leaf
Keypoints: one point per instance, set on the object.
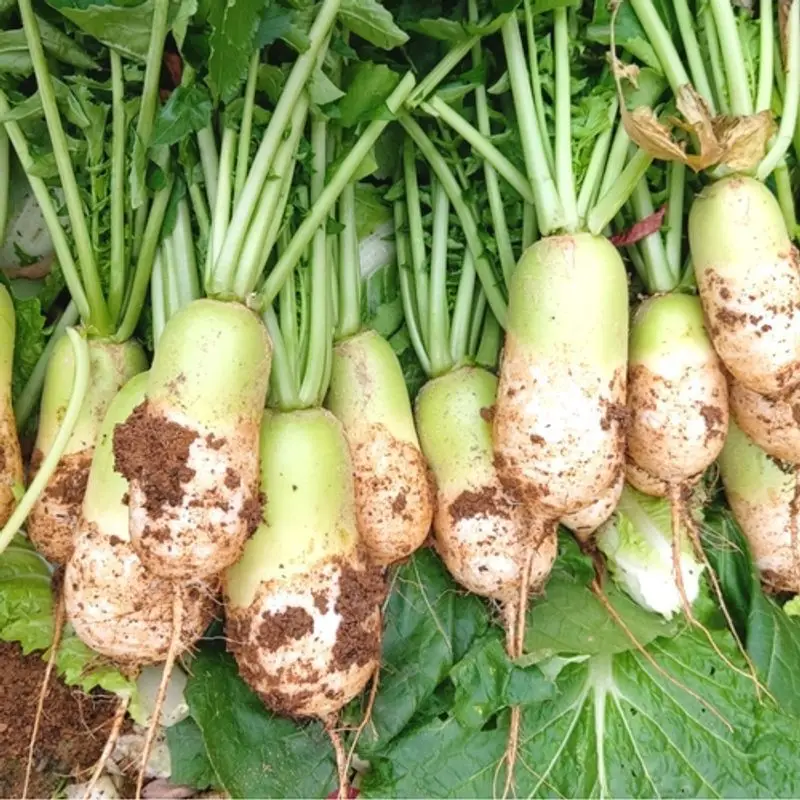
(744, 140)
(626, 72)
(738, 142)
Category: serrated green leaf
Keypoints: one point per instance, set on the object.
(368, 87)
(63, 47)
(270, 81)
(29, 342)
(451, 30)
(322, 89)
(628, 32)
(372, 22)
(233, 28)
(125, 26)
(80, 666)
(187, 110)
(253, 752)
(276, 23)
(486, 681)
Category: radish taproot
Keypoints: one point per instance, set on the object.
(115, 605)
(189, 450)
(559, 423)
(483, 533)
(393, 497)
(369, 397)
(677, 394)
(762, 493)
(749, 279)
(53, 520)
(10, 454)
(303, 606)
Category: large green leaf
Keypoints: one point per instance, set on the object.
(772, 636)
(124, 25)
(571, 620)
(616, 727)
(233, 29)
(372, 22)
(252, 752)
(188, 757)
(429, 626)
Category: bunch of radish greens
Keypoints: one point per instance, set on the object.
(330, 278)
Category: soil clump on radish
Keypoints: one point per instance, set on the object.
(283, 627)
(155, 452)
(73, 729)
(359, 592)
(486, 502)
(70, 484)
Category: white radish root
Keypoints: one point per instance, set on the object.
(53, 521)
(559, 421)
(772, 423)
(394, 502)
(303, 605)
(749, 282)
(190, 451)
(762, 494)
(584, 522)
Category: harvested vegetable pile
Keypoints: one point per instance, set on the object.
(400, 399)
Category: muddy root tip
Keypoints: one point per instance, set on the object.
(169, 663)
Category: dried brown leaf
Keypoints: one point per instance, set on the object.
(739, 142)
(651, 135)
(622, 71)
(744, 140)
(784, 7)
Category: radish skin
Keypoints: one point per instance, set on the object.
(747, 273)
(483, 533)
(648, 484)
(559, 422)
(762, 495)
(54, 518)
(10, 456)
(367, 394)
(302, 604)
(772, 423)
(206, 389)
(116, 606)
(584, 522)
(677, 394)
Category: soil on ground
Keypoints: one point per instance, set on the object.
(72, 732)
